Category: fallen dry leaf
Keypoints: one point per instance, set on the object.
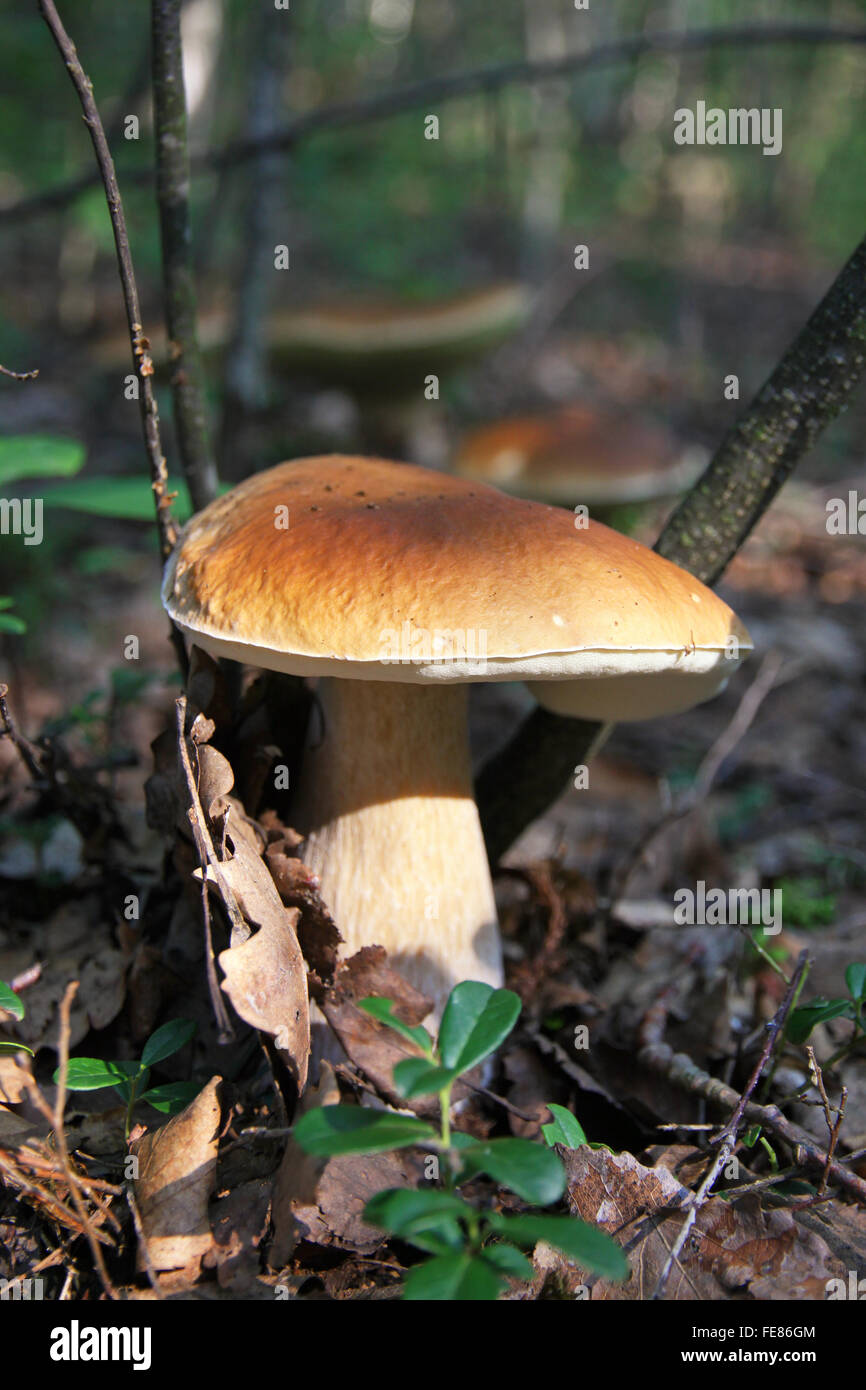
(177, 1171)
(372, 1047)
(735, 1249)
(265, 976)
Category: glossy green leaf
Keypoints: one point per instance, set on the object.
(406, 1211)
(415, 1076)
(535, 1173)
(173, 1097)
(383, 1011)
(466, 1278)
(476, 1020)
(802, 1021)
(348, 1129)
(507, 1259)
(564, 1128)
(10, 1001)
(92, 1073)
(855, 979)
(38, 456)
(167, 1040)
(588, 1245)
(9, 623)
(6, 1047)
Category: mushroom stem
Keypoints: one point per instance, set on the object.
(386, 803)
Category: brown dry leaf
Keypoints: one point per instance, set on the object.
(76, 943)
(318, 933)
(215, 779)
(177, 1171)
(734, 1249)
(239, 1222)
(372, 1047)
(265, 976)
(298, 1172)
(334, 1215)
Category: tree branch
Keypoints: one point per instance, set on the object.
(140, 356)
(385, 104)
(172, 190)
(810, 386)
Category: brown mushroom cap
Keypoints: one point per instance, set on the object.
(392, 572)
(579, 454)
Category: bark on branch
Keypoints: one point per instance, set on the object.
(140, 356)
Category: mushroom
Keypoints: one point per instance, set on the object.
(379, 344)
(396, 586)
(580, 454)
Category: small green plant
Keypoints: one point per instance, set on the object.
(803, 1020)
(11, 1003)
(130, 1079)
(805, 903)
(472, 1253)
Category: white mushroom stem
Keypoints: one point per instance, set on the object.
(392, 829)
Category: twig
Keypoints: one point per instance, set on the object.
(680, 1070)
(727, 1139)
(451, 86)
(208, 856)
(808, 388)
(172, 191)
(833, 1126)
(140, 354)
(20, 376)
(55, 1117)
(28, 751)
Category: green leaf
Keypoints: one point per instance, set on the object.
(535, 1173)
(802, 1021)
(383, 1011)
(855, 979)
(564, 1129)
(415, 1076)
(173, 1097)
(38, 456)
(466, 1278)
(126, 499)
(476, 1020)
(589, 1246)
(407, 1212)
(10, 1001)
(9, 623)
(167, 1040)
(14, 1047)
(347, 1129)
(507, 1259)
(91, 1073)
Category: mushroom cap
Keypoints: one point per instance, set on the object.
(580, 454)
(356, 567)
(361, 342)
